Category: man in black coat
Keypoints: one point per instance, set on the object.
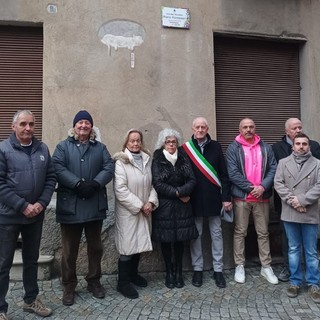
(283, 149)
(210, 194)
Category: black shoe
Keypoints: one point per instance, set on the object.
(170, 281)
(197, 278)
(284, 274)
(219, 278)
(139, 281)
(127, 290)
(179, 280)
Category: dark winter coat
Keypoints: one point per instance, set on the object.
(207, 198)
(73, 163)
(283, 149)
(24, 179)
(173, 219)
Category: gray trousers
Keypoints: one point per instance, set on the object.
(216, 245)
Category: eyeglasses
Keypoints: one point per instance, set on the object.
(171, 142)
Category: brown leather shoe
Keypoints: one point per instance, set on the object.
(96, 289)
(68, 297)
(292, 291)
(314, 292)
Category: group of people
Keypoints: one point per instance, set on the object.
(166, 198)
(82, 166)
(293, 168)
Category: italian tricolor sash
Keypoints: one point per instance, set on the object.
(202, 164)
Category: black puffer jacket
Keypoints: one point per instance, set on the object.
(173, 219)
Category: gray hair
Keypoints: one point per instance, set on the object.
(202, 119)
(163, 134)
(19, 113)
(288, 122)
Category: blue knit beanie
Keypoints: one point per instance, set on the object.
(82, 115)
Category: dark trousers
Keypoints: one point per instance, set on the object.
(71, 236)
(284, 245)
(31, 237)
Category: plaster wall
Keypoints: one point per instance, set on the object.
(173, 78)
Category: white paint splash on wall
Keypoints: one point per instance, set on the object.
(122, 42)
(121, 34)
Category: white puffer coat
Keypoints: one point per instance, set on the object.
(133, 188)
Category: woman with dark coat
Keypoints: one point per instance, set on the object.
(173, 221)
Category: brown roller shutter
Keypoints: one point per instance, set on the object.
(257, 79)
(21, 56)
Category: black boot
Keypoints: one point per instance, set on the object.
(124, 285)
(178, 254)
(167, 253)
(179, 277)
(135, 277)
(170, 280)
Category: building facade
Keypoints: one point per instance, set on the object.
(118, 61)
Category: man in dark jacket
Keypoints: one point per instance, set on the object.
(211, 193)
(283, 149)
(27, 181)
(251, 167)
(83, 166)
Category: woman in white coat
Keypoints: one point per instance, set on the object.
(135, 201)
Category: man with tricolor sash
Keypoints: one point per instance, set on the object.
(211, 193)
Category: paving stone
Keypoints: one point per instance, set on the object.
(254, 300)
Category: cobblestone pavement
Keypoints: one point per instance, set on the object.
(256, 299)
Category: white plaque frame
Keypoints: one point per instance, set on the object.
(176, 17)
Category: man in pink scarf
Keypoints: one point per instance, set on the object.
(251, 168)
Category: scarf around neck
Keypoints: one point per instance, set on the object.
(300, 159)
(171, 157)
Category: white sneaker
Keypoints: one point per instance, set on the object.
(239, 275)
(268, 274)
(3, 316)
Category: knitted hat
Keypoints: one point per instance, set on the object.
(82, 115)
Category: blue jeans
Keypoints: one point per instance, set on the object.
(31, 237)
(302, 235)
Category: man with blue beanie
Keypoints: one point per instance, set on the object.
(83, 167)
